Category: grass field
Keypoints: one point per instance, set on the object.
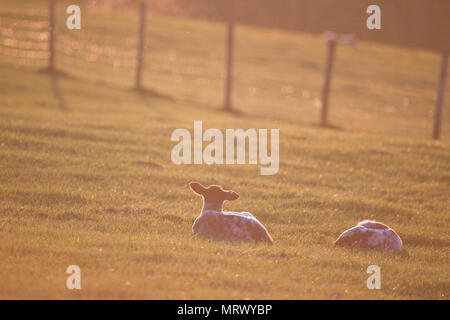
(86, 175)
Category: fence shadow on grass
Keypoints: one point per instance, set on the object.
(151, 99)
(57, 93)
(54, 76)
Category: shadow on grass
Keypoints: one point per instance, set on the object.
(329, 126)
(156, 101)
(147, 96)
(290, 120)
(55, 75)
(416, 240)
(236, 112)
(403, 254)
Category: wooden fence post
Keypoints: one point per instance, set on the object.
(229, 59)
(331, 39)
(140, 46)
(51, 38)
(440, 97)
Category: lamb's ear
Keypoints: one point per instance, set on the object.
(231, 195)
(197, 188)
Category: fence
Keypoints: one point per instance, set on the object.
(24, 37)
(30, 37)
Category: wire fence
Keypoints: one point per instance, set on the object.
(24, 37)
(204, 65)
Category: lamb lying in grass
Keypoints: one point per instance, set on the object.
(213, 222)
(370, 234)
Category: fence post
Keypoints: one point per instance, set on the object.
(51, 38)
(331, 39)
(440, 97)
(140, 46)
(229, 59)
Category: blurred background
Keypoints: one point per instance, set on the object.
(386, 81)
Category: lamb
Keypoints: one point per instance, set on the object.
(213, 222)
(370, 234)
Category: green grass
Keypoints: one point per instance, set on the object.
(86, 176)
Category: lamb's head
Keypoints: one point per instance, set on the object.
(213, 196)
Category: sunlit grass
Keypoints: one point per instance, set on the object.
(86, 176)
